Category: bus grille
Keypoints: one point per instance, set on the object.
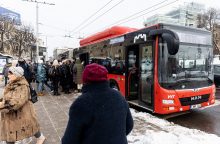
(194, 100)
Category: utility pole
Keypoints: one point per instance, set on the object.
(37, 23)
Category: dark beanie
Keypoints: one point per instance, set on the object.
(94, 73)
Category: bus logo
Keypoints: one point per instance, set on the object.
(140, 36)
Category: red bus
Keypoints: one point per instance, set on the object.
(163, 68)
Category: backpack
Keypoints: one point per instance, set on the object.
(51, 71)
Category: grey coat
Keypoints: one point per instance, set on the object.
(77, 72)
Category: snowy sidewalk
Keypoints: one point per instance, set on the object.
(152, 130)
(52, 113)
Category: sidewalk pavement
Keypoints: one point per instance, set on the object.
(52, 112)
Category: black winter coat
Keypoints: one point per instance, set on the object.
(27, 71)
(99, 116)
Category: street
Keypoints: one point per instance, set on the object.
(207, 119)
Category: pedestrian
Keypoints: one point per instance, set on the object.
(65, 77)
(5, 72)
(27, 72)
(77, 74)
(54, 73)
(100, 115)
(18, 118)
(41, 77)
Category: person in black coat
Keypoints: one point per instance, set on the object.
(54, 73)
(27, 72)
(100, 115)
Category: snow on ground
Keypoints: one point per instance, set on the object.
(149, 129)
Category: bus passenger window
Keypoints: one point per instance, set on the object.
(119, 68)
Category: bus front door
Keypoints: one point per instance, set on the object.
(139, 83)
(146, 74)
(132, 73)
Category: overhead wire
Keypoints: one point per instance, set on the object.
(149, 11)
(101, 15)
(139, 12)
(121, 21)
(91, 16)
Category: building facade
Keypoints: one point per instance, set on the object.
(185, 15)
(58, 53)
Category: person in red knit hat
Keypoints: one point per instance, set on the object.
(101, 114)
(94, 73)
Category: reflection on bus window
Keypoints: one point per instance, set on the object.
(113, 66)
(118, 68)
(146, 65)
(191, 62)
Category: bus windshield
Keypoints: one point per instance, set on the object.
(190, 68)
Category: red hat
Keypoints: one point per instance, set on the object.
(94, 73)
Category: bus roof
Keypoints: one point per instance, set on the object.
(185, 27)
(117, 31)
(106, 34)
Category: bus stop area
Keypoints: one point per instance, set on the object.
(52, 112)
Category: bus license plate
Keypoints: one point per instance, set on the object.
(195, 106)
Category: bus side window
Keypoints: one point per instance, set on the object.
(119, 68)
(108, 66)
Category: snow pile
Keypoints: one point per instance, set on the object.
(152, 130)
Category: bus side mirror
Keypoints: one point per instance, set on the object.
(172, 43)
(170, 37)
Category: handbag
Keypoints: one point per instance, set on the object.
(33, 94)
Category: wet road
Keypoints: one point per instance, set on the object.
(207, 119)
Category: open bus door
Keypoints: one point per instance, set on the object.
(139, 85)
(84, 57)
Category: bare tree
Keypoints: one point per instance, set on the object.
(23, 40)
(6, 29)
(208, 21)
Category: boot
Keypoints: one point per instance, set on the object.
(41, 140)
(56, 93)
(40, 94)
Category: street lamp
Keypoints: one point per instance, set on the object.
(37, 23)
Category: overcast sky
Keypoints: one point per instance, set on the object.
(66, 16)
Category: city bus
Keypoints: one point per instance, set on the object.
(163, 68)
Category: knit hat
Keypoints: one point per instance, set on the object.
(18, 71)
(94, 73)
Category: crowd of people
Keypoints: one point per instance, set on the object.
(65, 74)
(99, 115)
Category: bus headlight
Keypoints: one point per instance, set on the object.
(168, 101)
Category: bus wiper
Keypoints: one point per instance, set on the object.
(183, 80)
